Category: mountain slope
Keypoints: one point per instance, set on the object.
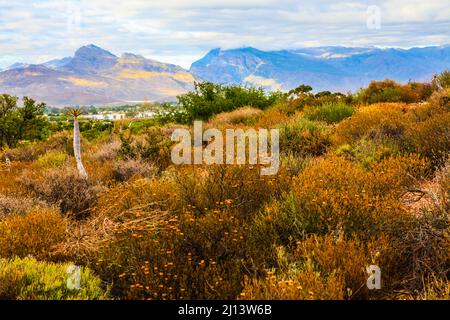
(96, 76)
(324, 68)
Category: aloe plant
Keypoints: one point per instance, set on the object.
(75, 113)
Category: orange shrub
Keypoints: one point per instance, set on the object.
(378, 121)
(241, 187)
(183, 257)
(335, 195)
(245, 116)
(304, 285)
(35, 233)
(431, 138)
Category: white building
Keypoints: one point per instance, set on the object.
(106, 116)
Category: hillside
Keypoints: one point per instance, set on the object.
(96, 76)
(324, 68)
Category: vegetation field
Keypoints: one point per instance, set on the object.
(364, 180)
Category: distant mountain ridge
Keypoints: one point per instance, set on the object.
(324, 68)
(96, 76)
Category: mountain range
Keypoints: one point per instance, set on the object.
(96, 76)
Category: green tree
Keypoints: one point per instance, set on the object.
(209, 99)
(25, 122)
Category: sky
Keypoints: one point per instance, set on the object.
(183, 31)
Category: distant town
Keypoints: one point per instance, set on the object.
(114, 113)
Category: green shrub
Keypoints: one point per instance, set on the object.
(29, 279)
(304, 137)
(330, 112)
(368, 152)
(209, 99)
(52, 159)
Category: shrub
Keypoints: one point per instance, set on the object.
(57, 142)
(344, 258)
(388, 91)
(245, 115)
(52, 159)
(436, 289)
(304, 285)
(184, 258)
(368, 152)
(382, 122)
(320, 267)
(304, 137)
(28, 279)
(430, 138)
(271, 118)
(17, 204)
(124, 170)
(338, 196)
(419, 253)
(63, 187)
(209, 99)
(107, 151)
(35, 233)
(154, 146)
(330, 112)
(242, 187)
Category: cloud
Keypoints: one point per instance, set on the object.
(180, 31)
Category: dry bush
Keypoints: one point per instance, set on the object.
(188, 257)
(436, 289)
(380, 121)
(272, 118)
(124, 170)
(150, 247)
(345, 258)
(63, 187)
(338, 196)
(293, 165)
(138, 242)
(35, 233)
(245, 116)
(153, 146)
(440, 99)
(431, 138)
(107, 151)
(443, 179)
(418, 253)
(304, 137)
(304, 285)
(240, 186)
(120, 208)
(17, 204)
(58, 142)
